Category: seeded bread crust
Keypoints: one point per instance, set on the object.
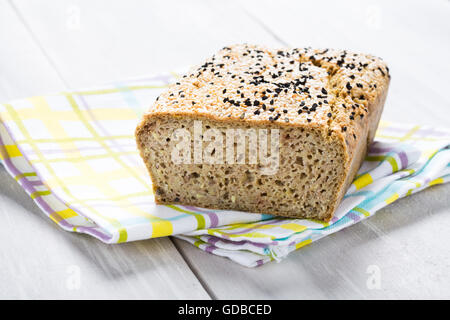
(336, 93)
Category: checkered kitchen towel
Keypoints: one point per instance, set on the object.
(74, 153)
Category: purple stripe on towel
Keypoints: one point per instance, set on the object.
(426, 132)
(214, 240)
(210, 249)
(34, 182)
(422, 132)
(403, 158)
(377, 149)
(353, 216)
(334, 219)
(259, 262)
(213, 218)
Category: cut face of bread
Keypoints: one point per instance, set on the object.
(267, 131)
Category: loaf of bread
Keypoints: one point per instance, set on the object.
(278, 131)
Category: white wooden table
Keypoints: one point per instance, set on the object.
(48, 46)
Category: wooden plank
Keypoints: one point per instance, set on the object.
(39, 260)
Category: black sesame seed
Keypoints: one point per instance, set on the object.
(352, 118)
(344, 129)
(324, 91)
(348, 86)
(329, 114)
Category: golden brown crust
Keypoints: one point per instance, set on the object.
(331, 88)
